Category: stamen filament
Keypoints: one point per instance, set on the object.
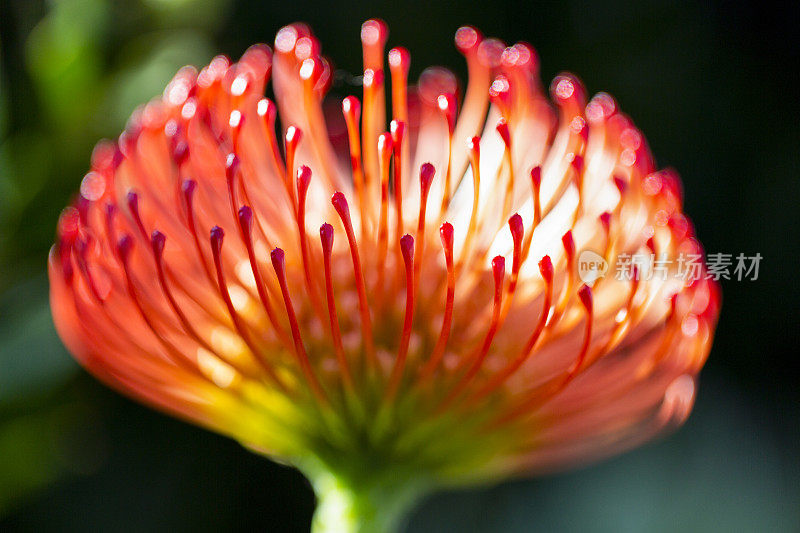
(279, 265)
(446, 234)
(351, 108)
(498, 273)
(340, 204)
(326, 238)
(217, 236)
(407, 249)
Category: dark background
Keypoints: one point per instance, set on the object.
(713, 86)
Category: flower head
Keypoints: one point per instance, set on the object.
(404, 299)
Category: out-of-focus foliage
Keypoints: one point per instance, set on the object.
(85, 65)
(78, 69)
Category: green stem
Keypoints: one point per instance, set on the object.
(378, 507)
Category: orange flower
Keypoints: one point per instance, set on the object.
(387, 310)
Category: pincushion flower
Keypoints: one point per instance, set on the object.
(390, 308)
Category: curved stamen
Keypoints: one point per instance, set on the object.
(303, 181)
(505, 133)
(158, 240)
(569, 251)
(351, 108)
(447, 106)
(397, 128)
(585, 296)
(546, 271)
(407, 249)
(474, 147)
(279, 265)
(498, 273)
(385, 158)
(340, 204)
(536, 183)
(446, 234)
(124, 248)
(189, 187)
(399, 64)
(245, 219)
(267, 110)
(517, 230)
(326, 238)
(373, 39)
(292, 139)
(426, 174)
(232, 166)
(217, 236)
(132, 199)
(542, 394)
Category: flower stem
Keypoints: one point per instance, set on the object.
(378, 507)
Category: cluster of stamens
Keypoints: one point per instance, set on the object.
(426, 275)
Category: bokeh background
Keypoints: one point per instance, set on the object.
(712, 85)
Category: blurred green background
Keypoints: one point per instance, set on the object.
(712, 85)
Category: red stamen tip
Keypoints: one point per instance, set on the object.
(293, 136)
(311, 70)
(236, 120)
(546, 269)
(600, 108)
(468, 39)
(385, 146)
(398, 129)
(231, 166)
(351, 107)
(124, 246)
(372, 78)
(374, 32)
(577, 163)
(426, 173)
(399, 61)
(217, 236)
(498, 270)
(500, 93)
(278, 259)
(569, 245)
(651, 245)
(605, 220)
(620, 184)
(133, 202)
(521, 55)
(180, 153)
(502, 129)
(673, 306)
(566, 87)
(474, 147)
(188, 187)
(536, 177)
(446, 103)
(326, 236)
(516, 227)
(266, 108)
(585, 294)
(157, 240)
(69, 224)
(303, 180)
(490, 51)
(340, 204)
(246, 219)
(407, 248)
(446, 234)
